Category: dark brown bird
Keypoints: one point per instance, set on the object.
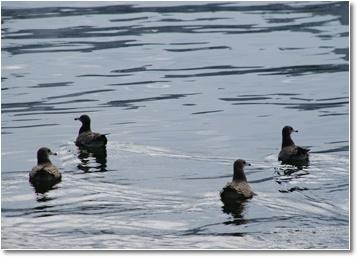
(88, 139)
(290, 153)
(44, 173)
(239, 188)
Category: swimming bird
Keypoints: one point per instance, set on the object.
(238, 189)
(290, 153)
(44, 174)
(88, 139)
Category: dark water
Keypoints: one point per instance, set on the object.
(184, 89)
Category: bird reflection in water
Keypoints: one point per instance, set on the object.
(235, 209)
(43, 197)
(99, 155)
(40, 190)
(288, 172)
(286, 177)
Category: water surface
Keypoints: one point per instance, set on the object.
(184, 89)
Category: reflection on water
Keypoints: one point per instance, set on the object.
(184, 89)
(88, 156)
(236, 210)
(289, 170)
(43, 187)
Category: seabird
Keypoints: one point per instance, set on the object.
(86, 138)
(238, 189)
(290, 153)
(44, 174)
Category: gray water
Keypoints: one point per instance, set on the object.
(183, 89)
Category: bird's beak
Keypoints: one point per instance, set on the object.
(296, 131)
(53, 153)
(248, 164)
(77, 118)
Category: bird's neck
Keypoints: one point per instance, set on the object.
(42, 160)
(287, 141)
(85, 128)
(239, 176)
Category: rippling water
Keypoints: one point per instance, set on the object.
(184, 89)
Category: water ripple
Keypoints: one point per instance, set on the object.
(289, 71)
(129, 102)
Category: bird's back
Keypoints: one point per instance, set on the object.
(293, 154)
(45, 174)
(91, 140)
(235, 191)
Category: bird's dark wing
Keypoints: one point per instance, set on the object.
(301, 150)
(89, 139)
